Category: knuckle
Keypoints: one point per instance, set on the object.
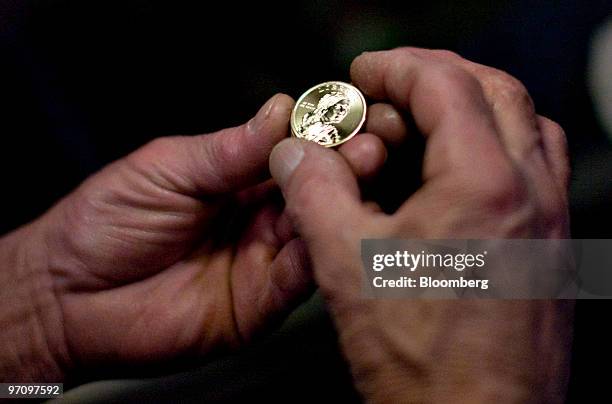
(507, 82)
(215, 149)
(81, 213)
(556, 148)
(560, 138)
(556, 131)
(160, 145)
(399, 66)
(225, 148)
(213, 155)
(501, 189)
(509, 90)
(153, 152)
(512, 90)
(446, 54)
(455, 80)
(156, 162)
(218, 151)
(405, 51)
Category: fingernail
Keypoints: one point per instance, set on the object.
(285, 158)
(256, 124)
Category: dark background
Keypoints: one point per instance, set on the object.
(83, 82)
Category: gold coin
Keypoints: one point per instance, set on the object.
(329, 113)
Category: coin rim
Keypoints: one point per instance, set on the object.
(305, 93)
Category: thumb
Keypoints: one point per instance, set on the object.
(320, 190)
(228, 160)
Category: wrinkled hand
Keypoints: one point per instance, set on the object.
(177, 250)
(492, 168)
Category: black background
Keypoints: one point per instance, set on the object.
(84, 82)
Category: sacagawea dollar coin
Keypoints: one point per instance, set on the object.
(329, 113)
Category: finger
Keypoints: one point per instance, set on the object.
(320, 190)
(365, 154)
(515, 117)
(323, 202)
(446, 102)
(520, 129)
(555, 149)
(228, 160)
(268, 278)
(255, 195)
(386, 122)
(510, 102)
(290, 280)
(373, 206)
(284, 229)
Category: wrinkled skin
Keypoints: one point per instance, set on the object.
(183, 247)
(492, 168)
(179, 250)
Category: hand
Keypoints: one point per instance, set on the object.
(177, 250)
(492, 168)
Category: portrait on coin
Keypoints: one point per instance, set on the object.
(318, 125)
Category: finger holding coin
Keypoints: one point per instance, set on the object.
(388, 123)
(366, 154)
